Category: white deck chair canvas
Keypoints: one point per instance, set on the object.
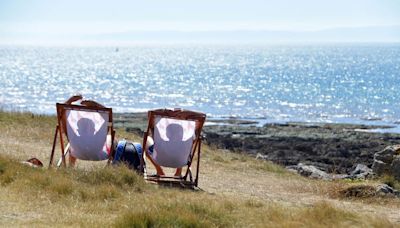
(88, 130)
(177, 140)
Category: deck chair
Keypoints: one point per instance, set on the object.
(88, 130)
(177, 140)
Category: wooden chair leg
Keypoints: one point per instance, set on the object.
(198, 164)
(54, 147)
(65, 154)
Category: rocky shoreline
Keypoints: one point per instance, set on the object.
(332, 148)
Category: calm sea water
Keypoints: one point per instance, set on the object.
(328, 83)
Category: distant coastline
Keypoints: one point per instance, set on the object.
(362, 125)
(357, 35)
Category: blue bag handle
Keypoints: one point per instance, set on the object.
(120, 150)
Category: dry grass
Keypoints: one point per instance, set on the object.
(242, 161)
(239, 191)
(116, 196)
(391, 181)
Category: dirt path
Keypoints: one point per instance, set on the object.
(269, 187)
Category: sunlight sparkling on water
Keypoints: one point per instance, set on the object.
(302, 83)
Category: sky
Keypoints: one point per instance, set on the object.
(34, 20)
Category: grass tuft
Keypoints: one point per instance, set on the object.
(119, 176)
(253, 203)
(268, 166)
(96, 184)
(391, 181)
(358, 191)
(167, 219)
(320, 214)
(177, 215)
(325, 214)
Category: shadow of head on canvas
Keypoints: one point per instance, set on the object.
(86, 127)
(174, 132)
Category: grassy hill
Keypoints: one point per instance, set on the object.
(237, 191)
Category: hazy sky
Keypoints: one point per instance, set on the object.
(21, 19)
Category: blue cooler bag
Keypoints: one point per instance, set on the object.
(128, 153)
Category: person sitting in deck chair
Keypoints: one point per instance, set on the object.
(173, 139)
(170, 140)
(86, 133)
(89, 138)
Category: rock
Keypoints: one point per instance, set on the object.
(386, 190)
(387, 161)
(330, 147)
(380, 167)
(365, 191)
(386, 155)
(395, 167)
(341, 176)
(261, 157)
(360, 168)
(361, 172)
(292, 168)
(312, 172)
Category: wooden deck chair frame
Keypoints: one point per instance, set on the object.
(60, 128)
(188, 180)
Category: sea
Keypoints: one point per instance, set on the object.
(330, 83)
